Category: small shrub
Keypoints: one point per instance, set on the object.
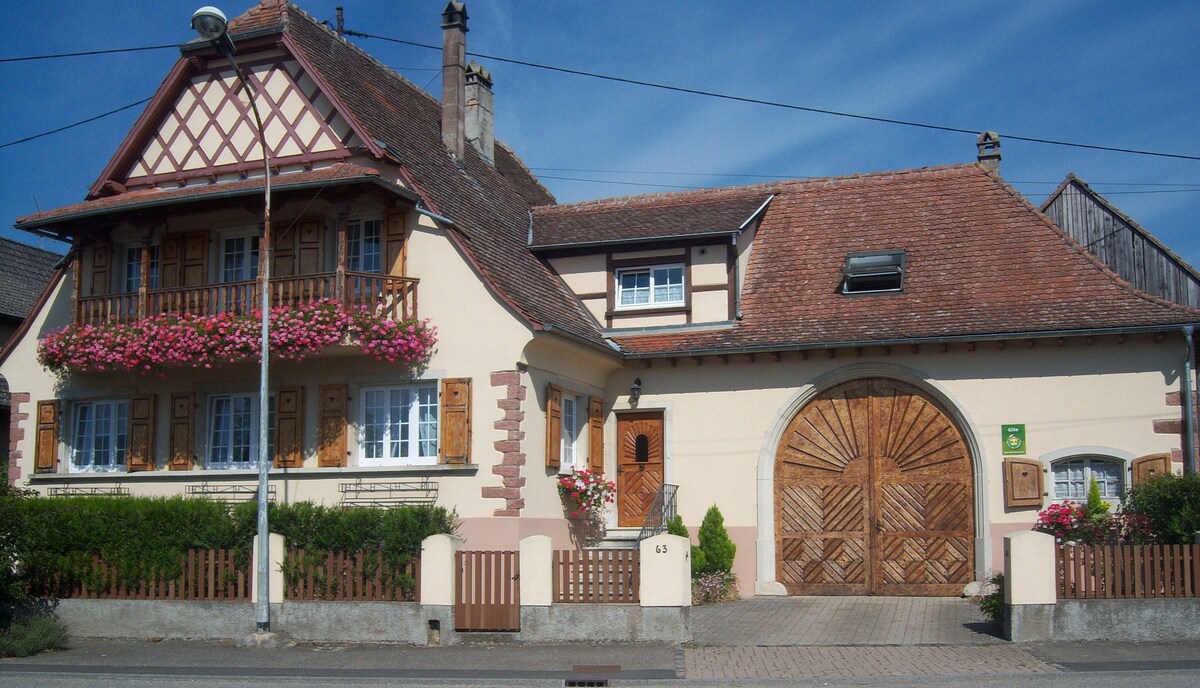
(714, 587)
(675, 527)
(1171, 504)
(991, 603)
(1096, 506)
(32, 634)
(716, 550)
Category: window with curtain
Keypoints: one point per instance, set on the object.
(399, 426)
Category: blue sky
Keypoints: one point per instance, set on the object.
(1107, 73)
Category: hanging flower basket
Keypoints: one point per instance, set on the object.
(163, 342)
(586, 493)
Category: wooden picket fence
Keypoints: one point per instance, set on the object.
(349, 576)
(1127, 571)
(596, 576)
(207, 574)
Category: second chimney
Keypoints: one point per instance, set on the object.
(454, 57)
(988, 145)
(480, 128)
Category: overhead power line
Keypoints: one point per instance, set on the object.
(31, 58)
(75, 124)
(787, 106)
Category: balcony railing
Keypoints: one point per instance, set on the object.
(396, 296)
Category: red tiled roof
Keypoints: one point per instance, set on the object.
(658, 216)
(980, 261)
(490, 205)
(267, 14)
(162, 196)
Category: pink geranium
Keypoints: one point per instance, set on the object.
(162, 342)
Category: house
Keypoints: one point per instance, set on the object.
(27, 269)
(1129, 249)
(876, 377)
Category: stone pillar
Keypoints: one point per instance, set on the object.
(437, 569)
(276, 549)
(666, 571)
(537, 567)
(1029, 576)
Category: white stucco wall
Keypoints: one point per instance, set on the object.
(724, 421)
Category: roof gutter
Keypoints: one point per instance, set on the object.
(612, 350)
(1189, 404)
(215, 195)
(640, 240)
(756, 213)
(908, 341)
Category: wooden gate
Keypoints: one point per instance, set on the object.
(874, 495)
(639, 465)
(487, 591)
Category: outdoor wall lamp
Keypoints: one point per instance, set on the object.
(635, 391)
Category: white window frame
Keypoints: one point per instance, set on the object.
(211, 462)
(1088, 460)
(653, 273)
(115, 435)
(250, 252)
(569, 452)
(400, 441)
(357, 253)
(131, 277)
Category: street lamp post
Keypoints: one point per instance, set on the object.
(211, 24)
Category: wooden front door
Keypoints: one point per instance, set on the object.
(639, 465)
(874, 495)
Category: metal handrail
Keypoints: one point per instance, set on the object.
(661, 511)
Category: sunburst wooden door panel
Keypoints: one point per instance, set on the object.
(822, 479)
(639, 465)
(874, 494)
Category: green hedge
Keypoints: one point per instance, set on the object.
(1171, 503)
(146, 537)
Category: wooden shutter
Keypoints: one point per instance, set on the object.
(195, 260)
(170, 261)
(596, 434)
(1023, 483)
(308, 247)
(139, 454)
(181, 433)
(289, 427)
(553, 427)
(1151, 466)
(283, 253)
(456, 420)
(101, 268)
(46, 451)
(395, 256)
(331, 439)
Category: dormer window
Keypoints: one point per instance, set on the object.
(654, 287)
(878, 271)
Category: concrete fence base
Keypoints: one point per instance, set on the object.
(368, 622)
(1142, 619)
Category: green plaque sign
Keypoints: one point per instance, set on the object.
(1014, 438)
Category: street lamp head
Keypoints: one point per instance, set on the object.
(210, 23)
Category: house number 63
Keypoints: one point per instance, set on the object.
(660, 549)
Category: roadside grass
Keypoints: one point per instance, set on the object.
(32, 635)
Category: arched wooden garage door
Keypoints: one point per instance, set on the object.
(874, 495)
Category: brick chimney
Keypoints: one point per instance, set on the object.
(988, 144)
(454, 57)
(480, 129)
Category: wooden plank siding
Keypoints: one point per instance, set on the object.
(349, 576)
(1086, 572)
(596, 576)
(205, 575)
(1122, 244)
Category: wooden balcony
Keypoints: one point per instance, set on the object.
(396, 296)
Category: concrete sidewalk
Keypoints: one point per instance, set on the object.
(552, 664)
